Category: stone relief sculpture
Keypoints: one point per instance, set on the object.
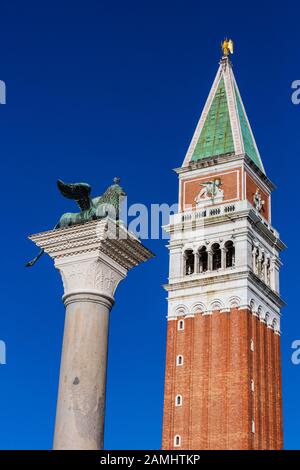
(258, 201)
(107, 205)
(211, 190)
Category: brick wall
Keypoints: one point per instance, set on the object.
(215, 383)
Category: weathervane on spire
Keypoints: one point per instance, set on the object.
(227, 47)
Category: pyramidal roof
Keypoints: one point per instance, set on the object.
(223, 126)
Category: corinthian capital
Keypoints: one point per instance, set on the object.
(92, 257)
(90, 273)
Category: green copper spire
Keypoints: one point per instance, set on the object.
(223, 127)
(216, 135)
(248, 139)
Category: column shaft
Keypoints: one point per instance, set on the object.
(81, 397)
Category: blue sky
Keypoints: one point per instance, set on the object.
(103, 88)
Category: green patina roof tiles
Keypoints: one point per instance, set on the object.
(249, 144)
(216, 135)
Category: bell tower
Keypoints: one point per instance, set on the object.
(223, 366)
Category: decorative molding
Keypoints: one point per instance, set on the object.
(221, 160)
(234, 302)
(216, 304)
(106, 236)
(92, 258)
(224, 275)
(273, 324)
(199, 307)
(94, 274)
(185, 305)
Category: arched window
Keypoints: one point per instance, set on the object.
(179, 360)
(189, 262)
(216, 256)
(203, 259)
(178, 400)
(177, 441)
(230, 254)
(180, 325)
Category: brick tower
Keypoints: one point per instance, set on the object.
(223, 367)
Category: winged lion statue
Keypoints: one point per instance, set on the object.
(90, 208)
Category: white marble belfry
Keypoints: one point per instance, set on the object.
(92, 259)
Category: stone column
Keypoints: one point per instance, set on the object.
(196, 262)
(209, 260)
(265, 270)
(254, 264)
(223, 257)
(89, 282)
(92, 259)
(259, 263)
(274, 275)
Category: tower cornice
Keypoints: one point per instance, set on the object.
(209, 162)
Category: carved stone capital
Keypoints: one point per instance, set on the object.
(93, 274)
(93, 257)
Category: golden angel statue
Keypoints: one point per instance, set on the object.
(227, 46)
